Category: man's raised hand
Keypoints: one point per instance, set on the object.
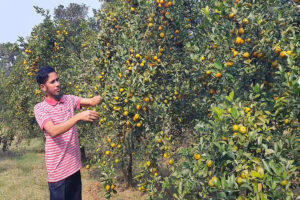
(88, 116)
(96, 100)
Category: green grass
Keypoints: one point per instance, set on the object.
(22, 172)
(23, 176)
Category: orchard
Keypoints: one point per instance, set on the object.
(202, 98)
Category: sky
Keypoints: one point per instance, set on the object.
(18, 17)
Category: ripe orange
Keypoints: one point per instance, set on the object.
(211, 183)
(235, 128)
(162, 35)
(107, 187)
(231, 16)
(239, 180)
(277, 49)
(229, 64)
(284, 183)
(136, 117)
(246, 55)
(241, 30)
(209, 163)
(282, 54)
(219, 75)
(148, 163)
(235, 53)
(243, 129)
(138, 107)
(245, 21)
(197, 156)
(286, 121)
(275, 64)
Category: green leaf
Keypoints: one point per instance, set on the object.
(230, 97)
(219, 111)
(218, 65)
(234, 113)
(269, 151)
(256, 88)
(255, 174)
(206, 11)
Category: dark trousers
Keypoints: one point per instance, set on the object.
(66, 189)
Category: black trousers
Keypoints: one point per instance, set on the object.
(67, 189)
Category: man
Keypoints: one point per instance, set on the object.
(55, 116)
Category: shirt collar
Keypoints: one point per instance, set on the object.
(53, 102)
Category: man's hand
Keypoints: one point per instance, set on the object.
(96, 100)
(91, 101)
(54, 130)
(88, 116)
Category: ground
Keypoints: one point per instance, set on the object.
(23, 176)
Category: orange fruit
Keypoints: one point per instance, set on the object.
(241, 30)
(243, 129)
(148, 163)
(138, 107)
(246, 55)
(197, 156)
(229, 63)
(282, 54)
(107, 187)
(219, 75)
(245, 21)
(139, 124)
(235, 127)
(209, 163)
(231, 16)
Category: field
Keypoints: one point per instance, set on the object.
(23, 176)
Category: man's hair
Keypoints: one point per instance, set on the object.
(43, 74)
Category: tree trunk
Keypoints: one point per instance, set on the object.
(129, 173)
(83, 156)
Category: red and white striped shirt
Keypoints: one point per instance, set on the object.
(62, 152)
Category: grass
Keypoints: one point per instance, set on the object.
(23, 176)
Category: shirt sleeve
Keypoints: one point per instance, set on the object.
(41, 116)
(75, 101)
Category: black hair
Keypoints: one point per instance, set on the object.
(43, 74)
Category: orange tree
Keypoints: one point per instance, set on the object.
(157, 58)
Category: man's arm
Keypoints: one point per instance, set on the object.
(54, 130)
(91, 101)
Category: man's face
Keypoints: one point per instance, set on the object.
(52, 85)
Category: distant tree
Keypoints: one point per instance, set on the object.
(74, 12)
(8, 55)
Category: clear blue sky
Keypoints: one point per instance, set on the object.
(18, 17)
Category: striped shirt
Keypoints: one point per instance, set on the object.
(62, 152)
